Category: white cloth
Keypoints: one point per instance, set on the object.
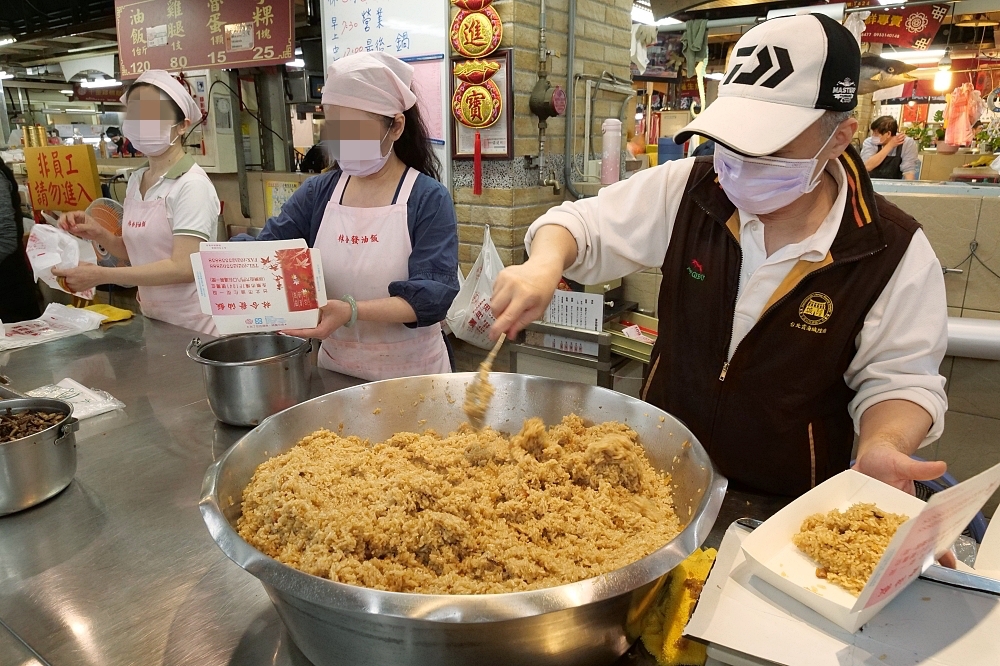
(149, 237)
(375, 82)
(174, 89)
(364, 250)
(642, 37)
(627, 228)
(192, 203)
(909, 151)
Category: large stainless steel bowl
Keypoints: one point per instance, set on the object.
(586, 623)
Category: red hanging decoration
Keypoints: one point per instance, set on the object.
(477, 167)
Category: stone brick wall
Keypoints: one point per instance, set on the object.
(511, 199)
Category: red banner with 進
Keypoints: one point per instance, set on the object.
(202, 34)
(910, 27)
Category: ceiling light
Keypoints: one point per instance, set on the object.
(716, 76)
(945, 63)
(942, 80)
(968, 21)
(100, 83)
(4, 75)
(914, 57)
(68, 92)
(7, 41)
(298, 62)
(645, 16)
(298, 50)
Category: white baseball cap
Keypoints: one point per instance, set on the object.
(783, 76)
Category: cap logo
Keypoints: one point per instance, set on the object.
(843, 91)
(764, 65)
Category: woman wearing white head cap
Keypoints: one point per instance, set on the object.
(384, 225)
(170, 208)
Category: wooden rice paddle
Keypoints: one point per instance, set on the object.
(479, 392)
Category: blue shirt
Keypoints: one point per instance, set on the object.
(430, 218)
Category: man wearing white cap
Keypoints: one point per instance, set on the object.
(170, 207)
(797, 308)
(384, 225)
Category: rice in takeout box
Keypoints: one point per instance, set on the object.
(933, 526)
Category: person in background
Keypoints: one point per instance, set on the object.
(798, 309)
(888, 154)
(170, 208)
(19, 301)
(123, 146)
(705, 148)
(384, 225)
(314, 160)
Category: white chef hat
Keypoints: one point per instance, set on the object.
(173, 88)
(375, 82)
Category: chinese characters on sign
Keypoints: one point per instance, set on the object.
(912, 27)
(198, 34)
(358, 26)
(62, 178)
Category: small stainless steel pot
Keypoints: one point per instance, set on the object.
(37, 467)
(251, 376)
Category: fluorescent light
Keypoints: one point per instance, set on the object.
(298, 50)
(914, 57)
(4, 75)
(100, 83)
(716, 76)
(645, 16)
(7, 41)
(298, 62)
(891, 2)
(68, 92)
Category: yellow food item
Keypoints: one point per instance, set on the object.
(475, 512)
(847, 546)
(111, 312)
(664, 627)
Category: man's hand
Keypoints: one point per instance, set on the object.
(332, 316)
(82, 277)
(890, 465)
(521, 293)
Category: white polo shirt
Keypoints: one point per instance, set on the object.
(189, 196)
(627, 228)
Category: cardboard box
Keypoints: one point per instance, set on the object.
(260, 286)
(932, 528)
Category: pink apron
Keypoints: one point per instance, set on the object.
(363, 250)
(149, 238)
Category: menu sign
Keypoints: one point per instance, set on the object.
(198, 34)
(261, 286)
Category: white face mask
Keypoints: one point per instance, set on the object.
(358, 157)
(762, 185)
(149, 136)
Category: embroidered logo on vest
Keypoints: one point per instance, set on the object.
(695, 270)
(816, 309)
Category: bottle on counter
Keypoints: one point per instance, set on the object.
(104, 146)
(611, 147)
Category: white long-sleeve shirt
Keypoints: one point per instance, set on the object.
(627, 228)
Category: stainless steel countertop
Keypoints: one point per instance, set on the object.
(119, 569)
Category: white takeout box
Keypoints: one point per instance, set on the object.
(258, 286)
(932, 528)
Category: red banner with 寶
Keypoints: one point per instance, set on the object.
(911, 27)
(177, 35)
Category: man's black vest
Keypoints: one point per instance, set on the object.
(774, 418)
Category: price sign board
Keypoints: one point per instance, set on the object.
(202, 34)
(62, 177)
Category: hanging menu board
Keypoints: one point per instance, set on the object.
(202, 34)
(415, 31)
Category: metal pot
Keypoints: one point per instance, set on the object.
(251, 376)
(37, 467)
(588, 623)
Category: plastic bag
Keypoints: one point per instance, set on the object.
(995, 164)
(50, 247)
(85, 402)
(470, 317)
(58, 321)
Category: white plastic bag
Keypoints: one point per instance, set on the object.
(58, 321)
(995, 164)
(50, 247)
(85, 402)
(470, 316)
